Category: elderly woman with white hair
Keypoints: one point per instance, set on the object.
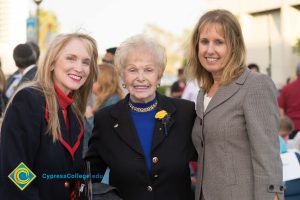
(144, 139)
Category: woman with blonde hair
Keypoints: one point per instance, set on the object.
(236, 128)
(42, 130)
(108, 91)
(107, 87)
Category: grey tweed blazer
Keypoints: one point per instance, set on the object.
(237, 141)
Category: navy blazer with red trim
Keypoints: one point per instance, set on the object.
(115, 144)
(23, 139)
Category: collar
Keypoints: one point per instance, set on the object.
(63, 99)
(27, 69)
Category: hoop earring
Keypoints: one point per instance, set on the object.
(123, 85)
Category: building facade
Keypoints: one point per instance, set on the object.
(12, 30)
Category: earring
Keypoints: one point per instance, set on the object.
(123, 85)
(158, 85)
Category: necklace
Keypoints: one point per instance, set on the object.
(147, 109)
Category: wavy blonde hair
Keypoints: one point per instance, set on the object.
(44, 79)
(109, 84)
(234, 41)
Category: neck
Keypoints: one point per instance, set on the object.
(217, 77)
(135, 100)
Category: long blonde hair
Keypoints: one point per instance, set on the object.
(108, 84)
(234, 41)
(44, 79)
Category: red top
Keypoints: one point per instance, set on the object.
(289, 101)
(64, 102)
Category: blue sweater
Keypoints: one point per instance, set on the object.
(144, 123)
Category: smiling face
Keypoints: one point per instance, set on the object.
(213, 49)
(72, 66)
(141, 76)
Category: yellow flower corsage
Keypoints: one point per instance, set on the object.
(161, 114)
(164, 117)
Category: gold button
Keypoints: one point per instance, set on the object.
(155, 160)
(149, 188)
(66, 184)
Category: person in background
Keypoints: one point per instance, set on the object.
(178, 86)
(24, 57)
(191, 91)
(3, 99)
(29, 72)
(285, 129)
(108, 91)
(109, 55)
(107, 59)
(145, 139)
(236, 128)
(289, 102)
(42, 127)
(253, 67)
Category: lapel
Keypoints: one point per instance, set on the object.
(226, 91)
(70, 140)
(160, 134)
(123, 125)
(200, 105)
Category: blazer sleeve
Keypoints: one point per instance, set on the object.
(93, 157)
(20, 136)
(262, 123)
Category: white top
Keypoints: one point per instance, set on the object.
(11, 89)
(27, 69)
(191, 91)
(206, 101)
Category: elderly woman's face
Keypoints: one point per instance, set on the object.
(213, 49)
(141, 76)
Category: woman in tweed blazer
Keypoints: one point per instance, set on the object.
(235, 132)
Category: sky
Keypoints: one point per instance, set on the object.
(112, 21)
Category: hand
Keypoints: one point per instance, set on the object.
(193, 180)
(89, 112)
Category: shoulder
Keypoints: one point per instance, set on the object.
(27, 102)
(29, 93)
(114, 98)
(258, 78)
(260, 82)
(113, 108)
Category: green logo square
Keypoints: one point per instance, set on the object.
(21, 176)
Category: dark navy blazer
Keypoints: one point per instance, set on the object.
(23, 139)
